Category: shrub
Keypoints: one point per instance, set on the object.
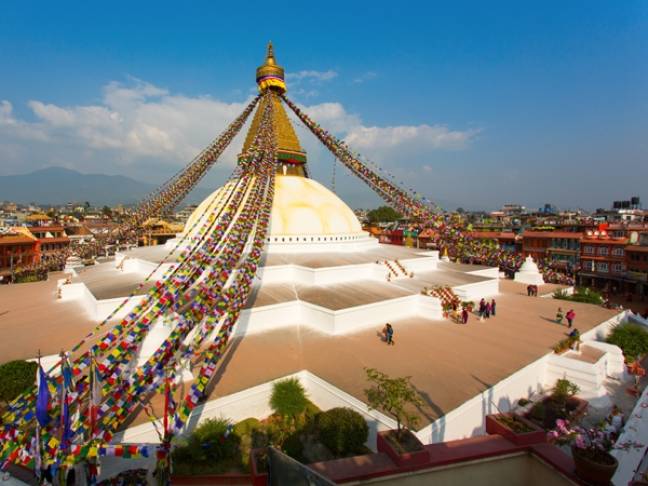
(581, 294)
(342, 430)
(631, 338)
(16, 377)
(288, 399)
(247, 426)
(212, 447)
(563, 390)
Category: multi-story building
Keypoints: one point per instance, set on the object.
(559, 247)
(603, 261)
(18, 248)
(52, 239)
(637, 265)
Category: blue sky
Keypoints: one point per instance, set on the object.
(472, 103)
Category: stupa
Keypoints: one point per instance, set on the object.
(306, 216)
(529, 273)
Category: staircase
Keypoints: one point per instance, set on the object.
(403, 270)
(446, 295)
(396, 269)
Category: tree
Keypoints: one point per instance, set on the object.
(383, 214)
(106, 211)
(394, 396)
(15, 378)
(288, 399)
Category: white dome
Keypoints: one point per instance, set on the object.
(301, 207)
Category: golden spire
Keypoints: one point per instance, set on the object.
(270, 75)
(270, 59)
(291, 158)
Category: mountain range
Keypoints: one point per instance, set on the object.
(57, 185)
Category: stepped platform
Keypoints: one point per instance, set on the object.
(449, 363)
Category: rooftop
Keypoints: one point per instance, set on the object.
(449, 363)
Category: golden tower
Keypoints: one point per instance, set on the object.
(291, 158)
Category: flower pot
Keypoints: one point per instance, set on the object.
(593, 471)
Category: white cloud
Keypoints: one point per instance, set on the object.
(365, 77)
(147, 132)
(423, 136)
(311, 75)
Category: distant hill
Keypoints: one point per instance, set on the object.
(56, 185)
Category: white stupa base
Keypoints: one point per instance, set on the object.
(529, 273)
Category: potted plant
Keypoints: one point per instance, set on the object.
(395, 396)
(590, 450)
(561, 404)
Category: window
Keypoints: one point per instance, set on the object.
(588, 250)
(618, 251)
(602, 267)
(618, 267)
(588, 265)
(603, 250)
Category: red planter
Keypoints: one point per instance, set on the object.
(494, 426)
(415, 458)
(259, 478)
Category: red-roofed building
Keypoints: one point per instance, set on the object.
(52, 239)
(18, 248)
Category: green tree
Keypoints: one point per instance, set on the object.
(106, 211)
(288, 399)
(394, 396)
(383, 214)
(16, 377)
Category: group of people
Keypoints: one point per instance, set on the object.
(486, 309)
(570, 316)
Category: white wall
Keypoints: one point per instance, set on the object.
(476, 291)
(353, 319)
(635, 431)
(347, 273)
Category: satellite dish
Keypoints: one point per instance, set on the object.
(634, 237)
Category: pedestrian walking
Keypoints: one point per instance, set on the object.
(390, 335)
(487, 311)
(529, 290)
(482, 307)
(559, 315)
(493, 307)
(464, 316)
(571, 315)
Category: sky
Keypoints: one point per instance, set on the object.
(472, 104)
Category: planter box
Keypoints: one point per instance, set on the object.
(578, 408)
(259, 478)
(535, 436)
(399, 458)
